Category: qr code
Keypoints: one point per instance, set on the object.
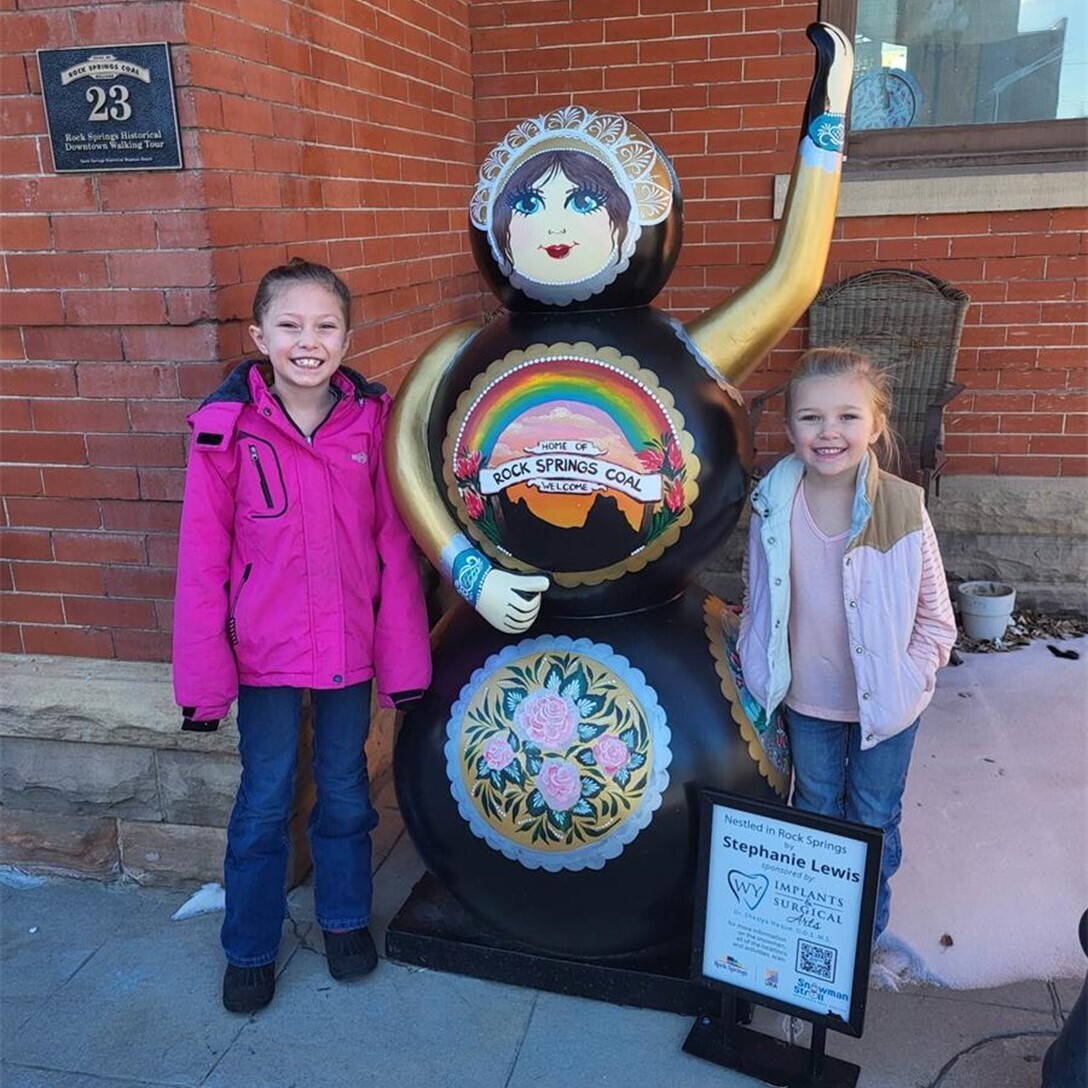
(816, 960)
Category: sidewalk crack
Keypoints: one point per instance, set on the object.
(521, 1041)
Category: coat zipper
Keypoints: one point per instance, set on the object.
(256, 459)
(232, 623)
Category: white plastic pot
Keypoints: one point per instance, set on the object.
(986, 609)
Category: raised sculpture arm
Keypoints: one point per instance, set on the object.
(735, 336)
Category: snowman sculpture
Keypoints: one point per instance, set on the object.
(568, 466)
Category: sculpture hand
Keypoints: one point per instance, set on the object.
(510, 602)
(830, 90)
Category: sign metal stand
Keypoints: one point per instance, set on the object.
(782, 912)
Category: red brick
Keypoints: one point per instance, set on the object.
(34, 307)
(140, 192)
(32, 608)
(135, 449)
(56, 270)
(25, 544)
(73, 641)
(13, 75)
(15, 414)
(108, 612)
(133, 380)
(162, 483)
(114, 307)
(999, 443)
(142, 645)
(1061, 402)
(111, 483)
(162, 550)
(1017, 377)
(170, 343)
(49, 194)
(43, 449)
(1030, 423)
(161, 268)
(11, 638)
(58, 578)
(1059, 444)
(82, 344)
(139, 582)
(20, 480)
(191, 305)
(155, 517)
(24, 231)
(75, 547)
(130, 22)
(182, 230)
(80, 416)
(133, 230)
(53, 513)
(1011, 465)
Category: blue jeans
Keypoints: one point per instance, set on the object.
(832, 776)
(255, 868)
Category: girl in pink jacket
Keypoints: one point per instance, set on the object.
(295, 572)
(846, 616)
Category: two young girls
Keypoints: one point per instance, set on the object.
(847, 617)
(295, 572)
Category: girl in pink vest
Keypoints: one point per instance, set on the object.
(295, 572)
(846, 617)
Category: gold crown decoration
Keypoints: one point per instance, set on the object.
(608, 137)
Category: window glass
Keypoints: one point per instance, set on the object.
(969, 62)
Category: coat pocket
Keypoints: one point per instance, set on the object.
(232, 619)
(265, 491)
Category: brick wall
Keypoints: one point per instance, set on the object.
(349, 132)
(333, 129)
(720, 85)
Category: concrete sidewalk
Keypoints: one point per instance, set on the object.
(101, 989)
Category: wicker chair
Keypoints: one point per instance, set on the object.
(909, 322)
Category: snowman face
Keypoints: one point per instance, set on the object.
(560, 230)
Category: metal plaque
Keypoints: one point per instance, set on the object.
(111, 107)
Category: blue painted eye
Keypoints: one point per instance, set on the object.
(584, 201)
(527, 203)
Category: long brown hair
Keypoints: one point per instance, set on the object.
(843, 362)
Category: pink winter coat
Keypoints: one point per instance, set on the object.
(294, 568)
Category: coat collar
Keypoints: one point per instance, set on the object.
(773, 495)
(246, 380)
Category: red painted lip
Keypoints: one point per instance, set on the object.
(558, 252)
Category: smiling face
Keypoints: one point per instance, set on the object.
(304, 332)
(832, 423)
(561, 218)
(560, 231)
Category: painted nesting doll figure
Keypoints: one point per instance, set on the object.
(568, 466)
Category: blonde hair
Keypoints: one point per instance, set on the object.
(843, 362)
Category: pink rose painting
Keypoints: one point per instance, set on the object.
(547, 719)
(498, 754)
(611, 754)
(559, 784)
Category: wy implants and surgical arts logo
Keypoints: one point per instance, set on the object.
(748, 888)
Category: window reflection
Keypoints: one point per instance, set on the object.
(960, 62)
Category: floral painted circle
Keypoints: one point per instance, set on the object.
(557, 753)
